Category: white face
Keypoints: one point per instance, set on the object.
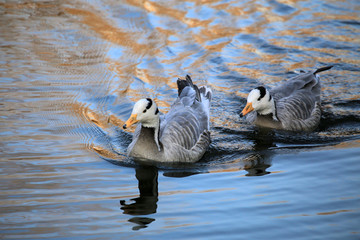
(260, 99)
(145, 109)
(146, 112)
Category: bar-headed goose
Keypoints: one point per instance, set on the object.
(181, 135)
(294, 105)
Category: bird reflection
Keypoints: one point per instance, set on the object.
(258, 170)
(146, 203)
(263, 140)
(255, 164)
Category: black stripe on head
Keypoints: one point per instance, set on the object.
(262, 92)
(157, 111)
(149, 103)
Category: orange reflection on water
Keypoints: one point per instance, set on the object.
(319, 214)
(174, 13)
(351, 144)
(110, 33)
(105, 153)
(26, 5)
(334, 212)
(252, 73)
(325, 16)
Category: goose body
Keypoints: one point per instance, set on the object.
(181, 135)
(294, 105)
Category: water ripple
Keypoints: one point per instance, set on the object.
(72, 70)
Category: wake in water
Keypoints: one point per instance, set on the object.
(240, 146)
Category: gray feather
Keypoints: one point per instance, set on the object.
(297, 102)
(184, 131)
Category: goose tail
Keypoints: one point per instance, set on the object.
(181, 83)
(322, 69)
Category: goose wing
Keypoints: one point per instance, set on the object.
(183, 125)
(298, 101)
(303, 82)
(300, 111)
(184, 129)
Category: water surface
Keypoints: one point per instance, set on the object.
(72, 70)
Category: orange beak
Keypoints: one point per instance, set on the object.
(248, 108)
(132, 120)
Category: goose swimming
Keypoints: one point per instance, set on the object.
(294, 105)
(181, 135)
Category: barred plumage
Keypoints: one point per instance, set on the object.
(181, 135)
(294, 105)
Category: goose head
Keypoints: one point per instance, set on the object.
(146, 112)
(259, 100)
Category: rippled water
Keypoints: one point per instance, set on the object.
(72, 70)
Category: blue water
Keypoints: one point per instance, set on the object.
(71, 72)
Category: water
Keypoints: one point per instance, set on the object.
(72, 70)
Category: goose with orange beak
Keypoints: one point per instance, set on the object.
(294, 105)
(181, 135)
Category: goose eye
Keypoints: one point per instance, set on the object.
(144, 111)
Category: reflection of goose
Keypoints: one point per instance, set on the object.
(146, 203)
(182, 135)
(263, 141)
(295, 105)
